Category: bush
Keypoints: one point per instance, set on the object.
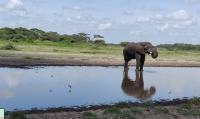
(8, 47)
(122, 105)
(195, 101)
(146, 104)
(17, 115)
(29, 41)
(113, 110)
(162, 109)
(100, 42)
(124, 43)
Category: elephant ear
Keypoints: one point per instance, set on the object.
(140, 49)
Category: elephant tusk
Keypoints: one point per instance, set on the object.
(150, 52)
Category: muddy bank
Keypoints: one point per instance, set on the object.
(20, 62)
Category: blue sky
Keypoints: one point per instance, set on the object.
(156, 21)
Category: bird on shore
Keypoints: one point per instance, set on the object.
(70, 86)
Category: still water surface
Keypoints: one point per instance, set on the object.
(44, 87)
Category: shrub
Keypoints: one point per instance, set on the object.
(8, 47)
(124, 43)
(100, 42)
(113, 110)
(184, 106)
(88, 114)
(122, 105)
(195, 101)
(136, 110)
(17, 115)
(124, 115)
(146, 104)
(162, 109)
(193, 112)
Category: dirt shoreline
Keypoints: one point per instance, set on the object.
(21, 62)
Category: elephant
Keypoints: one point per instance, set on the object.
(137, 51)
(136, 88)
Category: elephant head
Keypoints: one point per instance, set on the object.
(136, 88)
(147, 47)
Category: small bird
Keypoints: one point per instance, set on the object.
(70, 91)
(70, 86)
(51, 75)
(50, 90)
(169, 92)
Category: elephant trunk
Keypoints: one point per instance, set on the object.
(154, 54)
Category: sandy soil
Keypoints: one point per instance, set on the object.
(20, 61)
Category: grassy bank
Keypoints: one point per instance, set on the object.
(86, 50)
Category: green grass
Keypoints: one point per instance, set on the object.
(193, 112)
(95, 50)
(146, 104)
(88, 114)
(27, 57)
(162, 109)
(96, 118)
(122, 105)
(17, 115)
(195, 101)
(113, 110)
(124, 115)
(183, 107)
(173, 115)
(136, 110)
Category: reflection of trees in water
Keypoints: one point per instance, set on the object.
(136, 88)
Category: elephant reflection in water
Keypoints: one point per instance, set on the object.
(136, 88)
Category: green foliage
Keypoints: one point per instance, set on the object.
(122, 105)
(17, 115)
(34, 33)
(100, 42)
(184, 107)
(162, 109)
(88, 114)
(8, 47)
(124, 115)
(27, 57)
(97, 118)
(124, 43)
(195, 101)
(29, 41)
(113, 110)
(173, 115)
(136, 110)
(146, 104)
(193, 112)
(179, 46)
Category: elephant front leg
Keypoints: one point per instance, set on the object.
(137, 64)
(126, 65)
(142, 62)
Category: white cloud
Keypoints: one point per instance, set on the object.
(24, 14)
(78, 8)
(143, 19)
(104, 26)
(158, 17)
(190, 33)
(178, 15)
(191, 1)
(135, 32)
(22, 22)
(2, 10)
(14, 3)
(173, 34)
(188, 22)
(58, 14)
(177, 26)
(123, 22)
(162, 28)
(127, 12)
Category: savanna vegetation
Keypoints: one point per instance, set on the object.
(36, 40)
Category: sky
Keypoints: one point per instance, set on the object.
(155, 21)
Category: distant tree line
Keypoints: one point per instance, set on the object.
(179, 46)
(23, 34)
